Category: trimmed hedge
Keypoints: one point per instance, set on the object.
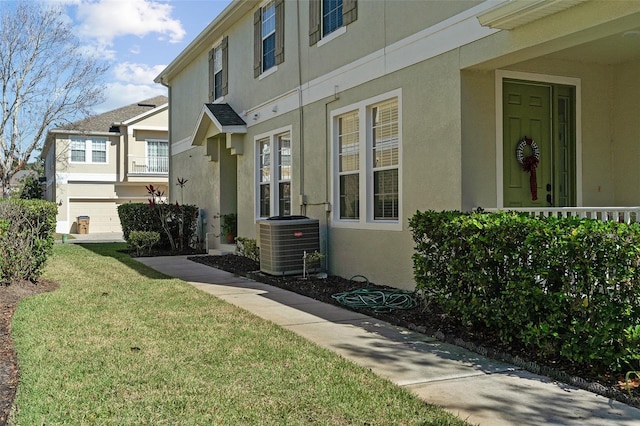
(143, 241)
(27, 234)
(141, 217)
(562, 286)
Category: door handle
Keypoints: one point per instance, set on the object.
(549, 198)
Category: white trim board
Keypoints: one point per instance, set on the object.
(445, 36)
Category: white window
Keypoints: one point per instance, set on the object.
(99, 151)
(217, 73)
(78, 150)
(218, 70)
(329, 19)
(331, 16)
(88, 150)
(349, 165)
(367, 180)
(158, 156)
(274, 171)
(268, 36)
(268, 41)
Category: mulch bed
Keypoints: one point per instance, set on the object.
(433, 321)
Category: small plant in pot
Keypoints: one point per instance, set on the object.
(228, 226)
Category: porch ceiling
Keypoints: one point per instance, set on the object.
(615, 49)
(514, 13)
(586, 32)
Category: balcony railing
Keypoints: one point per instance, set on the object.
(619, 214)
(148, 165)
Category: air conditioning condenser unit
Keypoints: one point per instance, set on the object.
(283, 242)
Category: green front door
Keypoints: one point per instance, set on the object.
(542, 113)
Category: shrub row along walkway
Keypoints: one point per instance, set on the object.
(478, 389)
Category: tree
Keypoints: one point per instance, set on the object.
(46, 79)
(30, 188)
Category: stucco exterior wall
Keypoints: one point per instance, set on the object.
(448, 111)
(64, 164)
(188, 95)
(137, 143)
(201, 187)
(478, 139)
(626, 134)
(609, 147)
(159, 119)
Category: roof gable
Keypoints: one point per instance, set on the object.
(103, 122)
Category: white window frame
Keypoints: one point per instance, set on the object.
(326, 38)
(88, 149)
(264, 36)
(322, 13)
(366, 169)
(146, 150)
(217, 63)
(274, 183)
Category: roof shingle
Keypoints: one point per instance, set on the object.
(102, 122)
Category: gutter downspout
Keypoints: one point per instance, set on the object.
(303, 207)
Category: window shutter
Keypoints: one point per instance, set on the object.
(279, 31)
(212, 78)
(257, 42)
(225, 65)
(315, 26)
(349, 11)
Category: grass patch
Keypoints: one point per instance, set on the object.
(119, 343)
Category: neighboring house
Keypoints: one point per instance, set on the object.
(16, 180)
(96, 164)
(359, 113)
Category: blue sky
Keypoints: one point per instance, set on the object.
(138, 38)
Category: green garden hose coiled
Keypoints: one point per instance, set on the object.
(378, 300)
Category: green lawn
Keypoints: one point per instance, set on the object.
(120, 344)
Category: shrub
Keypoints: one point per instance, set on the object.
(137, 217)
(140, 217)
(143, 240)
(563, 286)
(27, 230)
(248, 247)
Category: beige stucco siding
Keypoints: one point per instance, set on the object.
(154, 120)
(626, 131)
(430, 108)
(63, 154)
(448, 90)
(201, 187)
(379, 24)
(188, 95)
(608, 143)
(478, 139)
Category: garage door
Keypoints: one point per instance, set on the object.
(103, 215)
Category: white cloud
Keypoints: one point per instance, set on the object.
(119, 95)
(127, 72)
(105, 20)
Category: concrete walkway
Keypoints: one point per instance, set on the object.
(477, 389)
(96, 237)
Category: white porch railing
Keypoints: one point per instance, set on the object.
(149, 165)
(619, 214)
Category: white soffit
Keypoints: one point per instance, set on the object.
(514, 13)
